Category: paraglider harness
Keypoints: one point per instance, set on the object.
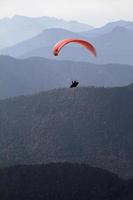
(74, 84)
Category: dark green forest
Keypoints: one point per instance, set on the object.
(62, 182)
(86, 125)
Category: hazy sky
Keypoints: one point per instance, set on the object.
(93, 12)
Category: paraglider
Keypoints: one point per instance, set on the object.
(74, 84)
(59, 45)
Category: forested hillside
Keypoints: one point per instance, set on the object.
(92, 125)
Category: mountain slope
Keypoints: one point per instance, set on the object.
(31, 75)
(108, 28)
(45, 39)
(62, 181)
(115, 47)
(91, 125)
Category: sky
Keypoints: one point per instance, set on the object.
(92, 12)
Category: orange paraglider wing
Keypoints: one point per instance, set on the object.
(59, 45)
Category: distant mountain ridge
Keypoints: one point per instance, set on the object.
(114, 47)
(109, 27)
(35, 74)
(18, 28)
(47, 39)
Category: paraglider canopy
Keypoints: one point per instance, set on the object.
(59, 45)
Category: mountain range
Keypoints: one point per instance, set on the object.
(86, 125)
(41, 44)
(35, 74)
(18, 28)
(109, 27)
(58, 143)
(114, 47)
